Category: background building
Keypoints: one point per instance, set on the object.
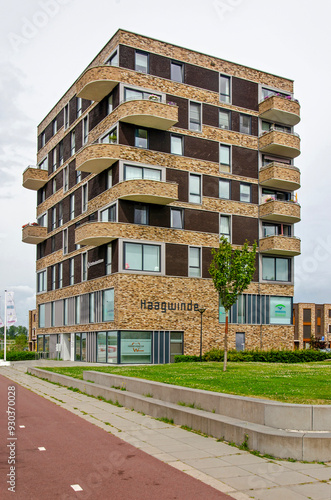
(152, 154)
(311, 321)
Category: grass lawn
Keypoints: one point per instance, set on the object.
(308, 383)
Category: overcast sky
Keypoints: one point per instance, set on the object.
(46, 44)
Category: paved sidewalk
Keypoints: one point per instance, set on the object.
(227, 469)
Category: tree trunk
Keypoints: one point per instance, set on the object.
(226, 341)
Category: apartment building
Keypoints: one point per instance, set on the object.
(312, 321)
(152, 154)
(32, 339)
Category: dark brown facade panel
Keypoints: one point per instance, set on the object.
(201, 149)
(60, 119)
(210, 115)
(210, 186)
(115, 173)
(96, 185)
(71, 238)
(79, 135)
(126, 57)
(201, 77)
(114, 263)
(72, 173)
(78, 268)
(245, 93)
(201, 221)
(244, 228)
(159, 66)
(97, 254)
(78, 202)
(72, 110)
(126, 134)
(181, 178)
(182, 110)
(245, 162)
(125, 211)
(66, 277)
(176, 260)
(98, 113)
(66, 147)
(159, 215)
(159, 140)
(85, 104)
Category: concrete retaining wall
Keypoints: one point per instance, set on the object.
(258, 411)
(265, 439)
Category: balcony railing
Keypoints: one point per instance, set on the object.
(34, 178)
(281, 109)
(279, 211)
(280, 143)
(280, 176)
(280, 245)
(33, 233)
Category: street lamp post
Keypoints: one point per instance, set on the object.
(201, 311)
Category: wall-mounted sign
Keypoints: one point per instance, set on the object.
(165, 307)
(90, 264)
(280, 310)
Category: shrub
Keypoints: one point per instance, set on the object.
(271, 356)
(186, 358)
(18, 355)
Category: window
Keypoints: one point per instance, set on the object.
(225, 226)
(108, 214)
(141, 62)
(54, 185)
(52, 313)
(61, 153)
(195, 122)
(195, 188)
(194, 262)
(43, 165)
(141, 214)
(177, 218)
(54, 126)
(42, 281)
(92, 307)
(65, 311)
(43, 139)
(79, 106)
(268, 127)
(276, 269)
(272, 229)
(84, 198)
(42, 220)
(52, 244)
(53, 271)
(84, 266)
(268, 93)
(245, 192)
(42, 194)
(134, 94)
(176, 72)
(85, 129)
(108, 305)
(225, 88)
(108, 258)
(110, 137)
(141, 138)
(78, 176)
(66, 116)
(142, 257)
(60, 275)
(224, 189)
(65, 241)
(72, 143)
(176, 144)
(225, 119)
(245, 124)
(110, 104)
(225, 158)
(71, 271)
(271, 194)
(133, 172)
(113, 60)
(77, 310)
(53, 222)
(72, 207)
(109, 181)
(41, 317)
(60, 212)
(54, 160)
(281, 310)
(65, 179)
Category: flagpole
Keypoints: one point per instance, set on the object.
(5, 328)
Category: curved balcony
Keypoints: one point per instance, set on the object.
(97, 233)
(280, 245)
(33, 233)
(280, 143)
(280, 109)
(147, 191)
(280, 211)
(96, 158)
(98, 82)
(148, 113)
(34, 178)
(280, 176)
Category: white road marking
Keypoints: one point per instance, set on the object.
(76, 487)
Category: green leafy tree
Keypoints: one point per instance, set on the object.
(231, 271)
(20, 343)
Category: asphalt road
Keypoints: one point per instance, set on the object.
(78, 454)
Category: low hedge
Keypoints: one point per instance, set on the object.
(271, 356)
(18, 355)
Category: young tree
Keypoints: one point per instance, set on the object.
(231, 271)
